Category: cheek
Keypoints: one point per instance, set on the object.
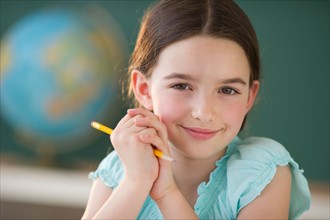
(169, 108)
(234, 114)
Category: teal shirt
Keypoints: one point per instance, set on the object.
(239, 177)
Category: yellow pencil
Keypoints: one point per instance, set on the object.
(107, 130)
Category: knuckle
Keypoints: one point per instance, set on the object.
(153, 131)
(136, 136)
(147, 120)
(117, 136)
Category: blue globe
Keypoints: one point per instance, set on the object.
(58, 73)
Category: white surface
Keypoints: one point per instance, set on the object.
(71, 189)
(44, 186)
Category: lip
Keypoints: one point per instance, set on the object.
(200, 133)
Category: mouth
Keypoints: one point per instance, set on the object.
(200, 133)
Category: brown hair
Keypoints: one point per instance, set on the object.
(170, 21)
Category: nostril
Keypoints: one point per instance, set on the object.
(202, 115)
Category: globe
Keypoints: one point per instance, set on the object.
(59, 71)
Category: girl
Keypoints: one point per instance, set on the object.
(195, 75)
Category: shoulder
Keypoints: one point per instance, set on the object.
(254, 164)
(274, 201)
(110, 170)
(263, 150)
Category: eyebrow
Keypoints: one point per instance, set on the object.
(178, 76)
(234, 80)
(188, 77)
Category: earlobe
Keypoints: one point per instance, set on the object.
(253, 91)
(141, 89)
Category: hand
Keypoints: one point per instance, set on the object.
(165, 181)
(137, 156)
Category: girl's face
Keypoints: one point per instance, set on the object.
(200, 90)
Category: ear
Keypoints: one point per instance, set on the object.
(141, 89)
(253, 91)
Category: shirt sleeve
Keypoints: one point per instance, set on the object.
(253, 166)
(110, 170)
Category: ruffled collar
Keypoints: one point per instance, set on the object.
(209, 191)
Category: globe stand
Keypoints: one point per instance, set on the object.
(45, 154)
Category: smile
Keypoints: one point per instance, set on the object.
(200, 133)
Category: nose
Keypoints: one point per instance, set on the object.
(204, 108)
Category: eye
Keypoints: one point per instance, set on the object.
(181, 86)
(228, 91)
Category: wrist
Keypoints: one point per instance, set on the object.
(139, 183)
(168, 195)
(174, 205)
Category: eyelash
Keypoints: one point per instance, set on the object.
(180, 85)
(224, 90)
(231, 91)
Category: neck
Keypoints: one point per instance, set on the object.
(189, 173)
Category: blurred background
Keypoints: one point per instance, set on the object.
(62, 64)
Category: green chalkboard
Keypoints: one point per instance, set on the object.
(293, 106)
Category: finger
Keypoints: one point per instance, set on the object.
(131, 113)
(148, 132)
(150, 136)
(125, 127)
(127, 121)
(141, 111)
(127, 131)
(151, 119)
(124, 120)
(153, 123)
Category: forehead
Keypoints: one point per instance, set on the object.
(203, 54)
